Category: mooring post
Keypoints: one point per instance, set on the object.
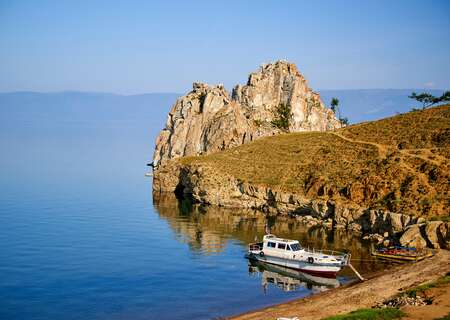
(356, 272)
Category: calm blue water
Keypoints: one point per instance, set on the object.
(82, 239)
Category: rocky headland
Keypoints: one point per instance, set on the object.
(274, 146)
(208, 120)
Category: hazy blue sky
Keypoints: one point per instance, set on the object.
(148, 46)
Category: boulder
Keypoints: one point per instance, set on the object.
(395, 221)
(347, 213)
(444, 230)
(378, 238)
(168, 178)
(437, 235)
(413, 238)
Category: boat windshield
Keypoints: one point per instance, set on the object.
(295, 247)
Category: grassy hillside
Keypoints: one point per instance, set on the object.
(399, 164)
(427, 129)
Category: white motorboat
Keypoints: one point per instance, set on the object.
(290, 254)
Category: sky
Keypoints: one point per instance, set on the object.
(132, 47)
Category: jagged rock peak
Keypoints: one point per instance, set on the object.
(207, 119)
(203, 121)
(280, 83)
(275, 73)
(200, 87)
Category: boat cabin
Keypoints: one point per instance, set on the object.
(270, 242)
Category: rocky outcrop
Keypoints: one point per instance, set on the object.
(357, 178)
(437, 234)
(205, 185)
(167, 177)
(207, 119)
(203, 121)
(278, 84)
(413, 238)
(433, 234)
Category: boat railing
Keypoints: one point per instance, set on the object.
(328, 252)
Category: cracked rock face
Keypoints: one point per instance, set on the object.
(203, 121)
(208, 120)
(280, 83)
(206, 185)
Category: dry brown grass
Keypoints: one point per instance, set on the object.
(287, 161)
(400, 163)
(426, 129)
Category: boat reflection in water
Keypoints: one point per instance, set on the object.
(288, 279)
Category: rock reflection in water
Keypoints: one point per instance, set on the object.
(207, 229)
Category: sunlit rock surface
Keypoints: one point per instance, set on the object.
(207, 119)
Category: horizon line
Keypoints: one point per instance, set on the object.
(178, 93)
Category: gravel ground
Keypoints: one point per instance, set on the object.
(379, 287)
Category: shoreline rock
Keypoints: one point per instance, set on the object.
(202, 186)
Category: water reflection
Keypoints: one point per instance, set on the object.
(288, 279)
(208, 229)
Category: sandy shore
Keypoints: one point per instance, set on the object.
(377, 288)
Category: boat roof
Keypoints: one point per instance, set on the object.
(271, 237)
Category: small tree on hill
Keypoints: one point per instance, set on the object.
(344, 120)
(283, 118)
(428, 100)
(334, 105)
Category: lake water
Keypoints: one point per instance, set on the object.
(82, 237)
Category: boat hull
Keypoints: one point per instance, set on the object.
(327, 271)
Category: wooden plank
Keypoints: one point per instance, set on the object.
(356, 272)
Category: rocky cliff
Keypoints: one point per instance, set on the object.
(208, 120)
(204, 184)
(384, 177)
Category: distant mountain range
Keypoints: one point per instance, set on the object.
(135, 116)
(149, 111)
(72, 105)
